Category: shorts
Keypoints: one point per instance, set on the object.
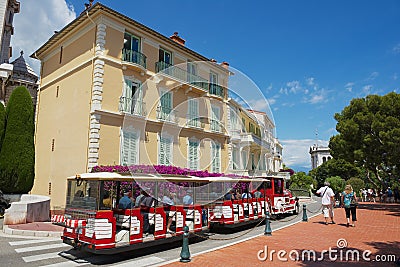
(327, 210)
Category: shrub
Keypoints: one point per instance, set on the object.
(2, 123)
(17, 155)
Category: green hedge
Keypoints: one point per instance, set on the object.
(17, 155)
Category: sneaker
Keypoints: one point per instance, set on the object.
(332, 222)
(326, 223)
(347, 225)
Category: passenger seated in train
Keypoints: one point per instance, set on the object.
(125, 202)
(187, 199)
(231, 195)
(257, 194)
(168, 202)
(246, 194)
(107, 200)
(145, 204)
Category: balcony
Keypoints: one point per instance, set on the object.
(211, 88)
(182, 75)
(134, 57)
(215, 126)
(167, 114)
(132, 106)
(194, 121)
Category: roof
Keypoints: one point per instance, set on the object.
(20, 66)
(98, 7)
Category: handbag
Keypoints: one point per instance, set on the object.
(353, 202)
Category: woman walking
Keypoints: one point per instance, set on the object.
(349, 200)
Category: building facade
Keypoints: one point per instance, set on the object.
(319, 155)
(115, 92)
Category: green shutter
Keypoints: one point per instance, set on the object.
(193, 155)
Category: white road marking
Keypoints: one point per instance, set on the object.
(41, 257)
(149, 261)
(34, 241)
(50, 246)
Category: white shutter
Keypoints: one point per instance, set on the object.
(165, 151)
(193, 154)
(193, 110)
(130, 148)
(216, 157)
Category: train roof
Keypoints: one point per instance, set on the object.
(168, 177)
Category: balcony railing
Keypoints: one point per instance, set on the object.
(132, 106)
(215, 126)
(213, 89)
(181, 74)
(167, 114)
(194, 121)
(134, 57)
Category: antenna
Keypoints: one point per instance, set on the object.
(316, 138)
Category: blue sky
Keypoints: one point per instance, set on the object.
(309, 58)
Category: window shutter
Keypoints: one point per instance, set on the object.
(129, 148)
(193, 154)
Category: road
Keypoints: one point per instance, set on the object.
(51, 252)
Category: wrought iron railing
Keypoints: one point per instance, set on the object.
(132, 106)
(215, 126)
(167, 114)
(193, 121)
(134, 57)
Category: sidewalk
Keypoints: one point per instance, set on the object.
(377, 230)
(39, 229)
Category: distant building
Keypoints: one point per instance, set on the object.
(18, 72)
(319, 155)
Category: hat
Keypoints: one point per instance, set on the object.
(327, 183)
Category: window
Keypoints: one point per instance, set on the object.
(131, 49)
(165, 150)
(193, 112)
(233, 119)
(132, 98)
(244, 159)
(243, 125)
(215, 157)
(191, 72)
(130, 147)
(193, 154)
(214, 88)
(165, 107)
(235, 164)
(61, 54)
(215, 119)
(165, 56)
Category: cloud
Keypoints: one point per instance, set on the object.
(294, 87)
(310, 81)
(373, 76)
(367, 89)
(396, 49)
(296, 152)
(394, 77)
(36, 23)
(349, 86)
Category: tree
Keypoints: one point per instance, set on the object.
(2, 123)
(334, 167)
(357, 184)
(17, 155)
(369, 134)
(301, 180)
(336, 183)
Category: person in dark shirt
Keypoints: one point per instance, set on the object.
(125, 202)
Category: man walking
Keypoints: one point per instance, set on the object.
(328, 198)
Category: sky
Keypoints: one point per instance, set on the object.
(308, 58)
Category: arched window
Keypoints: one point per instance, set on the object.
(323, 159)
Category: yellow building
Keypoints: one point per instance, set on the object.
(108, 95)
(253, 145)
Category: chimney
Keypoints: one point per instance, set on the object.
(213, 60)
(225, 65)
(177, 39)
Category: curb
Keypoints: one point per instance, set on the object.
(9, 231)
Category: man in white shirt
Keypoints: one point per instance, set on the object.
(328, 198)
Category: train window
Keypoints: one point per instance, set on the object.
(278, 186)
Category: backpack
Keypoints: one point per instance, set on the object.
(347, 199)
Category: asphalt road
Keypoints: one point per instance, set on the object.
(23, 251)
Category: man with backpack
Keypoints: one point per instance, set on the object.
(328, 198)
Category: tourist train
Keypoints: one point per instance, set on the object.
(96, 220)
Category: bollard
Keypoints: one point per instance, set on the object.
(185, 254)
(267, 230)
(305, 219)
